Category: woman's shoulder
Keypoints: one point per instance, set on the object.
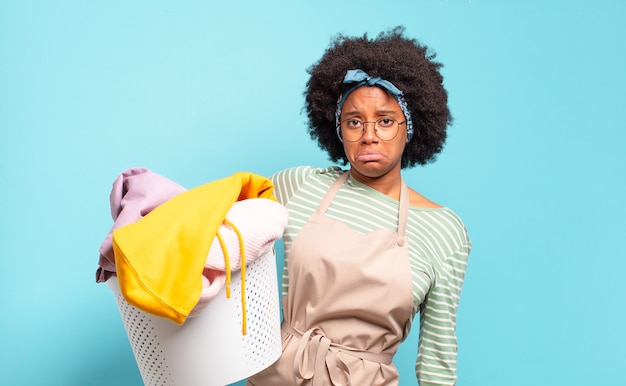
(418, 200)
(422, 208)
(288, 182)
(443, 221)
(298, 174)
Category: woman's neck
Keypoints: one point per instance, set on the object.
(388, 184)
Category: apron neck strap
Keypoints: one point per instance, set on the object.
(403, 209)
(330, 194)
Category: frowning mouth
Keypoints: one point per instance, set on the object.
(369, 156)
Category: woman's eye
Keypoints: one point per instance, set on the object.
(386, 122)
(353, 123)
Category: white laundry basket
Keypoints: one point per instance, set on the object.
(210, 349)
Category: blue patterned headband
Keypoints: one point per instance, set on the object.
(361, 78)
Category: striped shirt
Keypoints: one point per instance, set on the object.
(438, 251)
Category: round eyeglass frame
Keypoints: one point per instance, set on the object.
(398, 123)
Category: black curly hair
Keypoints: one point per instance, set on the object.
(404, 62)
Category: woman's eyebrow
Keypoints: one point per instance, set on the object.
(353, 113)
(387, 112)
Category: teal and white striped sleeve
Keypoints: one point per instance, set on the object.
(288, 181)
(437, 352)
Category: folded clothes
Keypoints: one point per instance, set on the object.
(173, 249)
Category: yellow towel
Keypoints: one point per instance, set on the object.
(159, 259)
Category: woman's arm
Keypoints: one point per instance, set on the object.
(437, 352)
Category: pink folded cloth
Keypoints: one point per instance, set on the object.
(260, 222)
(134, 194)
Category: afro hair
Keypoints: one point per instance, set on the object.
(404, 62)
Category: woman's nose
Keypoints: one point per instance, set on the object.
(369, 132)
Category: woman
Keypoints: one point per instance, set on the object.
(364, 253)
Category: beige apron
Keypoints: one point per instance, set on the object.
(349, 300)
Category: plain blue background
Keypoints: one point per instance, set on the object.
(196, 90)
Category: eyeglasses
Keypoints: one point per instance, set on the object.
(352, 129)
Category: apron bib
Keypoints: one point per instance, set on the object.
(349, 300)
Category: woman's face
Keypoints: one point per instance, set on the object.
(370, 157)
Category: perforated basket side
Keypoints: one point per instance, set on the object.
(263, 314)
(209, 349)
(144, 341)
